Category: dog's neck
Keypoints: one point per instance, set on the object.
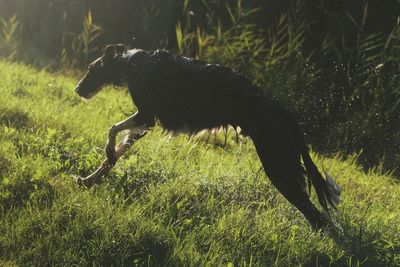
(122, 72)
(125, 64)
(120, 78)
(131, 52)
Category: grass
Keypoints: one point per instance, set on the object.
(170, 201)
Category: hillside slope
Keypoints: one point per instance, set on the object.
(170, 201)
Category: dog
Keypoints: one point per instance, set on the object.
(188, 95)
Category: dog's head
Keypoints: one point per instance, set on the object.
(107, 69)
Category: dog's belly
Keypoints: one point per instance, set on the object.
(191, 121)
(200, 113)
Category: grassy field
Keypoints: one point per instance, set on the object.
(170, 201)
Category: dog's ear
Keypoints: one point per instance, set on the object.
(120, 49)
(109, 52)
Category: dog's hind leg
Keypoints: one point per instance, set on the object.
(281, 161)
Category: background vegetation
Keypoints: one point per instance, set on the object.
(334, 63)
(175, 202)
(170, 201)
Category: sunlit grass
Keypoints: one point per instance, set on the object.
(170, 201)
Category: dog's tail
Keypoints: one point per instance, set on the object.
(328, 191)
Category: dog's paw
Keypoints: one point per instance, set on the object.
(83, 182)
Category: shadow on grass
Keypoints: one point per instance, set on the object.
(14, 118)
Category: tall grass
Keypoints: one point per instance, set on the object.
(9, 37)
(78, 49)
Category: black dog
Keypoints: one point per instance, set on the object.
(188, 95)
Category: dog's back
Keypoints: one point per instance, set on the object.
(186, 94)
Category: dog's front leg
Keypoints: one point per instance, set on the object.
(137, 124)
(105, 167)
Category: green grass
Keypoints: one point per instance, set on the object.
(170, 201)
